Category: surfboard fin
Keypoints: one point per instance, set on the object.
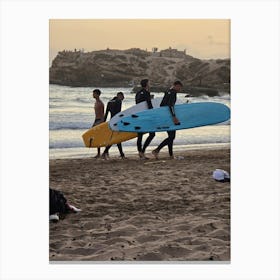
(134, 116)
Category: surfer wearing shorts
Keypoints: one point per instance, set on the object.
(114, 106)
(169, 99)
(144, 95)
(99, 112)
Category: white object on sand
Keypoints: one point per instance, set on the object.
(179, 157)
(54, 218)
(220, 175)
(74, 209)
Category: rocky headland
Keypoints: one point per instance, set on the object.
(125, 68)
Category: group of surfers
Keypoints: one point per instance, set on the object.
(143, 95)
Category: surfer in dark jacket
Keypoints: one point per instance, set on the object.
(114, 106)
(169, 99)
(144, 96)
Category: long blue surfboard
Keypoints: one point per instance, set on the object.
(189, 115)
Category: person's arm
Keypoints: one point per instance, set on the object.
(102, 110)
(174, 118)
(119, 106)
(172, 110)
(171, 104)
(106, 113)
(149, 101)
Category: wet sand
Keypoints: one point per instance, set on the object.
(135, 210)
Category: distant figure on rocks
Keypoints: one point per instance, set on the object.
(114, 106)
(144, 95)
(99, 112)
(169, 99)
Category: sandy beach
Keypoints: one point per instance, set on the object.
(135, 210)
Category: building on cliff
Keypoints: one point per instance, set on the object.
(172, 53)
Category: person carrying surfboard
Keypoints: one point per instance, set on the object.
(169, 99)
(114, 106)
(99, 112)
(144, 95)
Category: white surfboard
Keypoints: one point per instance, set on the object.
(136, 109)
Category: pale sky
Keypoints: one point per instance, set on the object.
(202, 38)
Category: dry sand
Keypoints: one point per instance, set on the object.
(152, 210)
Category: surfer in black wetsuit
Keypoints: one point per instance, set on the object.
(144, 95)
(169, 99)
(114, 106)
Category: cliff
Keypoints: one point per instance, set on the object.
(125, 68)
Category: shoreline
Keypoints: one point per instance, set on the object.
(79, 153)
(143, 210)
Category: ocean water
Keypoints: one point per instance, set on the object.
(71, 113)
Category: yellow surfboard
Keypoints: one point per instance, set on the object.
(101, 135)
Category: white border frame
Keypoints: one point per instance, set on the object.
(254, 138)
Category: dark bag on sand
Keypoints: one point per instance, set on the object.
(57, 202)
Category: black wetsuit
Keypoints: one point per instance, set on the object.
(114, 106)
(144, 96)
(169, 99)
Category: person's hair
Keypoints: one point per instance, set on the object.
(97, 91)
(177, 83)
(144, 83)
(120, 93)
